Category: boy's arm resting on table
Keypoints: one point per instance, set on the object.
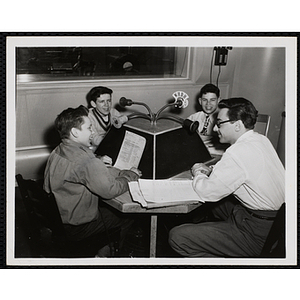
(105, 182)
(128, 175)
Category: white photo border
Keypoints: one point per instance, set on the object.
(290, 44)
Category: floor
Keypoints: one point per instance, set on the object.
(136, 244)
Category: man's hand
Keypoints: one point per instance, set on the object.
(201, 168)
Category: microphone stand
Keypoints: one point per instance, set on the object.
(128, 102)
(153, 118)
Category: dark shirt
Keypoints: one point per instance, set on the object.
(77, 178)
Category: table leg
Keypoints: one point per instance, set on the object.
(153, 235)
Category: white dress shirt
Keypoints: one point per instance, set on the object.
(251, 170)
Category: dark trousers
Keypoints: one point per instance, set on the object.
(236, 234)
(107, 221)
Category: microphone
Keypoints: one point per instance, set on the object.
(178, 103)
(190, 125)
(181, 99)
(125, 102)
(119, 121)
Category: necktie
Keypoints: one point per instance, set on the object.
(205, 126)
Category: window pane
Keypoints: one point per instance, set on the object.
(62, 62)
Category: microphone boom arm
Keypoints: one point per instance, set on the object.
(127, 102)
(180, 102)
(160, 111)
(138, 115)
(186, 123)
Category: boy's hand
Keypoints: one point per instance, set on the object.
(137, 171)
(106, 160)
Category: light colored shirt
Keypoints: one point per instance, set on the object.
(77, 178)
(251, 170)
(100, 128)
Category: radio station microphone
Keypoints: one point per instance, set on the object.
(119, 121)
(125, 102)
(181, 99)
(179, 103)
(190, 125)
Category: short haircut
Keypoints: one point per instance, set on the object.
(70, 118)
(240, 109)
(209, 88)
(95, 93)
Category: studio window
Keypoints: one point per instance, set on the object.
(71, 63)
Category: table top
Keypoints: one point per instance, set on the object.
(125, 204)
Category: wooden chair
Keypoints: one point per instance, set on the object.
(46, 236)
(262, 124)
(274, 246)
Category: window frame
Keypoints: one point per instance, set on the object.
(23, 80)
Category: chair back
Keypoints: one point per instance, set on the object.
(41, 208)
(262, 124)
(43, 213)
(275, 243)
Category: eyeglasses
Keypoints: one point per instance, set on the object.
(222, 122)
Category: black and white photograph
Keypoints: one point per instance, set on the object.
(151, 150)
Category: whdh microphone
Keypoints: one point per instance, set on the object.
(181, 99)
(179, 103)
(125, 102)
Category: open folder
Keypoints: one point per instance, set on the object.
(159, 193)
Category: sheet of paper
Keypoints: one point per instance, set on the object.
(131, 151)
(167, 190)
(136, 194)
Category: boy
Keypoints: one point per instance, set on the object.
(208, 99)
(78, 179)
(101, 113)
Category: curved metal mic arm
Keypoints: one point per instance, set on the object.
(128, 102)
(138, 115)
(179, 103)
(153, 118)
(186, 123)
(160, 111)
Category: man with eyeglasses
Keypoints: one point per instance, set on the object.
(245, 189)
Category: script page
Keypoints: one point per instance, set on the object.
(131, 151)
(168, 190)
(136, 193)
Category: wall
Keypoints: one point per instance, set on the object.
(260, 77)
(256, 74)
